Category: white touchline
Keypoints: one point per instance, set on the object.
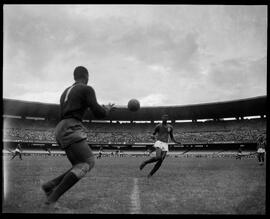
(135, 198)
(5, 183)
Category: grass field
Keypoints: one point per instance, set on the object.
(117, 186)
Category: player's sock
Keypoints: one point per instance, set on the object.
(151, 160)
(48, 186)
(67, 182)
(156, 167)
(142, 165)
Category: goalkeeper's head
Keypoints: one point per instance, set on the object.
(81, 74)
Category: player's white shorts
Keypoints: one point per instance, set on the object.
(162, 145)
(261, 150)
(17, 150)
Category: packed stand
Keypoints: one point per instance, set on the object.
(200, 132)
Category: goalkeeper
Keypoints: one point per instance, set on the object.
(71, 134)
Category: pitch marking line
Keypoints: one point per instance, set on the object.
(135, 198)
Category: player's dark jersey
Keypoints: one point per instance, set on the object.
(163, 132)
(19, 147)
(261, 144)
(76, 99)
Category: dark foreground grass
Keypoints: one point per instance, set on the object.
(117, 186)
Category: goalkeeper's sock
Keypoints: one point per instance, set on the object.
(67, 182)
(48, 186)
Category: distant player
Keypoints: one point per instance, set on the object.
(99, 153)
(239, 152)
(17, 151)
(261, 149)
(163, 131)
(121, 153)
(47, 149)
(71, 135)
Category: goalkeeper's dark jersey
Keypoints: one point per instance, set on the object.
(76, 99)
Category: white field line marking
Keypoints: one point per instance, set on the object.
(6, 178)
(135, 198)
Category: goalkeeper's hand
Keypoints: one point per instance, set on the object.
(110, 107)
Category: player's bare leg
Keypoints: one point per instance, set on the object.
(152, 159)
(261, 158)
(13, 156)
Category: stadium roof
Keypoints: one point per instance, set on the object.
(227, 109)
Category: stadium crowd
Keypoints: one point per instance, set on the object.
(200, 132)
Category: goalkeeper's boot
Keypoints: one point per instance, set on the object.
(46, 189)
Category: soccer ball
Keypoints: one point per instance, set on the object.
(133, 105)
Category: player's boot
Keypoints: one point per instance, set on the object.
(142, 165)
(46, 189)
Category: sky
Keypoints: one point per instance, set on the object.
(162, 55)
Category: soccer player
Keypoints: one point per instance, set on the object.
(239, 153)
(71, 135)
(121, 153)
(47, 149)
(17, 151)
(261, 149)
(99, 153)
(163, 130)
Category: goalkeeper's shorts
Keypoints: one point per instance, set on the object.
(69, 131)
